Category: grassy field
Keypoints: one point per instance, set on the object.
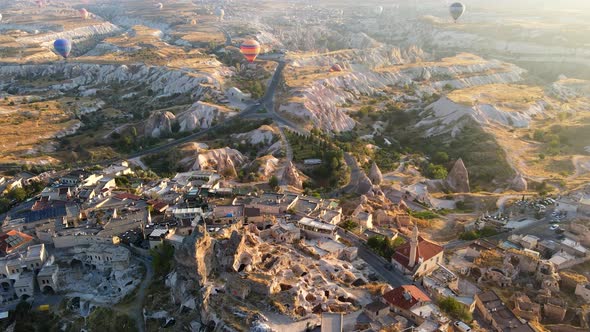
(25, 127)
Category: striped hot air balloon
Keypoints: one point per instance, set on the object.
(250, 49)
(63, 47)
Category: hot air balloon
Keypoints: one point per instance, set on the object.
(378, 10)
(219, 12)
(159, 5)
(84, 13)
(457, 9)
(250, 49)
(335, 68)
(63, 47)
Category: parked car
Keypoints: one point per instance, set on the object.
(462, 326)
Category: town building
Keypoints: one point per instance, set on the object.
(418, 257)
(410, 302)
(497, 314)
(317, 229)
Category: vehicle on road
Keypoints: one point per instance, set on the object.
(553, 227)
(462, 326)
(389, 266)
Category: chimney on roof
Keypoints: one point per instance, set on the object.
(407, 296)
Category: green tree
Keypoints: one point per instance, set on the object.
(436, 171)
(18, 194)
(273, 182)
(175, 127)
(440, 157)
(382, 246)
(162, 259)
(349, 225)
(454, 309)
(4, 204)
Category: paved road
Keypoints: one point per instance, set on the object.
(355, 175)
(393, 277)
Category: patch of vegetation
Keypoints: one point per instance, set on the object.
(165, 164)
(235, 125)
(106, 319)
(426, 214)
(332, 171)
(561, 139)
(349, 225)
(273, 182)
(19, 195)
(435, 171)
(162, 259)
(382, 246)
(564, 167)
(477, 234)
(454, 308)
(28, 319)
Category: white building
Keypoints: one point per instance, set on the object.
(157, 236)
(47, 279)
(317, 229)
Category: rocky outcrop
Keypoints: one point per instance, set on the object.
(267, 166)
(519, 183)
(320, 102)
(458, 178)
(162, 81)
(375, 174)
(446, 116)
(364, 184)
(159, 123)
(203, 115)
(264, 135)
(76, 34)
(225, 160)
(291, 176)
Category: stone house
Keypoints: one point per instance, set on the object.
(24, 287)
(583, 291)
(495, 313)
(364, 219)
(47, 279)
(376, 310)
(525, 308)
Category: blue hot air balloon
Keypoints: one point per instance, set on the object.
(63, 47)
